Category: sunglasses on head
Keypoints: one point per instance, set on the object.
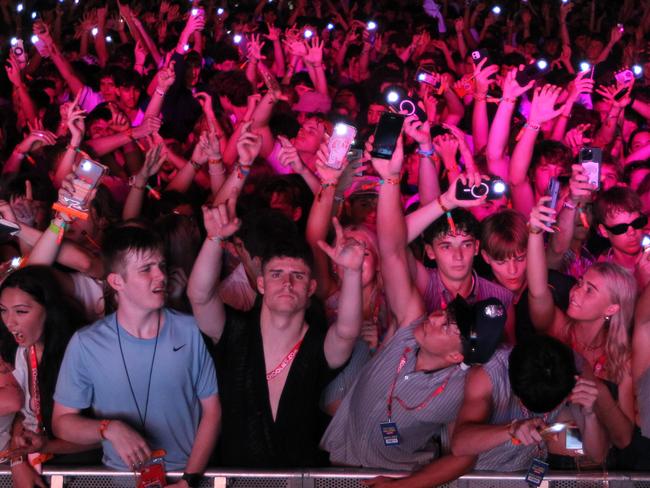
(618, 229)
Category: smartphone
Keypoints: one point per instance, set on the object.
(388, 130)
(87, 176)
(533, 71)
(18, 49)
(555, 428)
(553, 192)
(424, 76)
(573, 438)
(494, 187)
(590, 159)
(479, 55)
(621, 93)
(645, 242)
(624, 76)
(40, 46)
(339, 144)
(8, 228)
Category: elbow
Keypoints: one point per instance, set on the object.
(458, 447)
(622, 439)
(197, 295)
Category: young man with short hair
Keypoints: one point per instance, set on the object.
(274, 361)
(144, 370)
(511, 399)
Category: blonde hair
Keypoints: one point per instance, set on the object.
(622, 289)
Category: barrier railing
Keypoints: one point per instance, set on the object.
(100, 477)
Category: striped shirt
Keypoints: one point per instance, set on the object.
(436, 294)
(354, 437)
(643, 397)
(506, 407)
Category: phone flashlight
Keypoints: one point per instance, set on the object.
(33, 15)
(542, 64)
(585, 66)
(195, 12)
(392, 96)
(94, 31)
(19, 7)
(620, 27)
(341, 129)
(372, 25)
(422, 77)
(15, 262)
(499, 187)
(186, 47)
(76, 2)
(308, 34)
(219, 11)
(237, 38)
(496, 10)
(330, 26)
(637, 69)
(14, 41)
(645, 242)
(34, 39)
(565, 1)
(108, 39)
(86, 166)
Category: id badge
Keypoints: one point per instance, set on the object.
(536, 472)
(389, 433)
(152, 474)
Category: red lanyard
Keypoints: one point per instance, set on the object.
(285, 362)
(403, 404)
(36, 396)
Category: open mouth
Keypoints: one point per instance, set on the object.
(19, 337)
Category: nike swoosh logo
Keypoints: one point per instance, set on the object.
(178, 348)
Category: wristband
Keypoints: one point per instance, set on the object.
(533, 231)
(103, 425)
(570, 205)
(216, 169)
(508, 99)
(216, 239)
(442, 206)
(511, 432)
(243, 170)
(390, 181)
(16, 461)
(70, 147)
(426, 154)
(532, 126)
(195, 165)
(215, 161)
(160, 92)
(132, 183)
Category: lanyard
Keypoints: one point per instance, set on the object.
(143, 419)
(402, 403)
(285, 362)
(36, 395)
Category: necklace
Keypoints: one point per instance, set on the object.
(143, 419)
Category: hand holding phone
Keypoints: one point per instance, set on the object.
(75, 200)
(339, 144)
(387, 132)
(590, 158)
(553, 192)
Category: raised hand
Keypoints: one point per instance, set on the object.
(274, 32)
(35, 139)
(209, 143)
(580, 190)
(314, 55)
(609, 93)
(387, 168)
(325, 173)
(13, 71)
(420, 132)
(150, 125)
(542, 217)
(221, 221)
(543, 106)
(153, 161)
(289, 156)
(582, 83)
(75, 120)
(449, 199)
(249, 145)
(254, 48)
(511, 88)
(447, 146)
(166, 77)
(575, 138)
(482, 76)
(347, 253)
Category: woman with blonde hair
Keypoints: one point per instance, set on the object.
(596, 325)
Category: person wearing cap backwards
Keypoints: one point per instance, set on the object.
(410, 392)
(511, 402)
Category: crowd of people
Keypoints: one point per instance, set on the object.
(192, 277)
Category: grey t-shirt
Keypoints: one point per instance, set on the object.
(643, 397)
(93, 375)
(354, 437)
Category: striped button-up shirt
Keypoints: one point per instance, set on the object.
(354, 437)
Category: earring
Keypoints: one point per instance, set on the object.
(608, 319)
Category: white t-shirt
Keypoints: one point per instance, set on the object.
(90, 293)
(236, 290)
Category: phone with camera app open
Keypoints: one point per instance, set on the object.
(479, 55)
(87, 177)
(339, 144)
(18, 50)
(388, 130)
(590, 158)
(424, 76)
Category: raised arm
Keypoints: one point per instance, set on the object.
(348, 255)
(208, 309)
(482, 76)
(402, 295)
(500, 129)
(153, 161)
(541, 111)
(540, 300)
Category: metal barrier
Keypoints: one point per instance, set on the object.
(100, 477)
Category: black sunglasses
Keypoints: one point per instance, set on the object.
(638, 223)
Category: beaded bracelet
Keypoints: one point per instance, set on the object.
(390, 181)
(243, 171)
(426, 154)
(535, 127)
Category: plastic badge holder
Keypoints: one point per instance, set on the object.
(87, 176)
